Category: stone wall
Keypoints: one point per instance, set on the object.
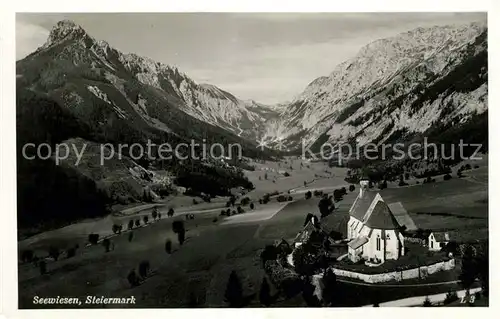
(422, 271)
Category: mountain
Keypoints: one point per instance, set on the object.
(80, 91)
(403, 85)
(75, 68)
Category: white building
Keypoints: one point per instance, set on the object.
(438, 240)
(373, 230)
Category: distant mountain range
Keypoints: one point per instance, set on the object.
(404, 84)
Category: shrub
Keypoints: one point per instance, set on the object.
(71, 252)
(308, 195)
(144, 268)
(145, 219)
(93, 238)
(286, 174)
(252, 206)
(27, 256)
(245, 201)
(476, 166)
(233, 212)
(133, 279)
(451, 296)
(115, 228)
(382, 184)
(240, 210)
(107, 244)
(427, 302)
(42, 266)
(222, 213)
(318, 193)
(447, 177)
(352, 188)
(154, 214)
(290, 198)
(214, 220)
(281, 198)
(137, 222)
(130, 224)
(54, 252)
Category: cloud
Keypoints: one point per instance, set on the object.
(28, 38)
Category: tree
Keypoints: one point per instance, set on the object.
(308, 293)
(309, 216)
(469, 269)
(270, 252)
(170, 212)
(240, 210)
(137, 222)
(54, 252)
(145, 219)
(265, 293)
(107, 244)
(181, 237)
(93, 238)
(308, 195)
(234, 291)
(42, 266)
(330, 287)
(132, 278)
(352, 188)
(144, 268)
(427, 302)
(71, 252)
(27, 256)
(325, 206)
(252, 206)
(168, 246)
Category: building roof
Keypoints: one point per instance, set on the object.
(381, 217)
(402, 216)
(357, 242)
(361, 205)
(441, 236)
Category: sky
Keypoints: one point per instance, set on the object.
(267, 57)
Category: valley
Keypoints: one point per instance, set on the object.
(180, 232)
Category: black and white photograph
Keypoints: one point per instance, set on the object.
(251, 160)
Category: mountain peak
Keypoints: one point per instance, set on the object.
(64, 29)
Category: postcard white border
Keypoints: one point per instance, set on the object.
(8, 224)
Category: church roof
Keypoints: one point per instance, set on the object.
(402, 216)
(381, 217)
(361, 205)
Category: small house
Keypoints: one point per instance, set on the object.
(438, 240)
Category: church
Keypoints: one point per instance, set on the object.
(373, 230)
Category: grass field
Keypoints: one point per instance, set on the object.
(199, 270)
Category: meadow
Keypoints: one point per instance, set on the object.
(196, 273)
